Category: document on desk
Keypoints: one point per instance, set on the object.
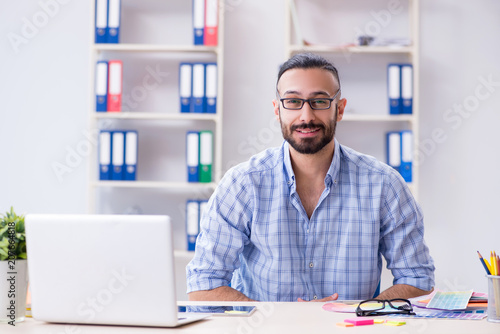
(450, 300)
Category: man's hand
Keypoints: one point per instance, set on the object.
(326, 299)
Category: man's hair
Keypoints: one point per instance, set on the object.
(307, 61)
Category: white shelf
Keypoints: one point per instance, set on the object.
(294, 44)
(137, 115)
(351, 49)
(377, 118)
(155, 185)
(155, 48)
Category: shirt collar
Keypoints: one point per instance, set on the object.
(331, 175)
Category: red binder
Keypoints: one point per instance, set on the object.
(211, 22)
(115, 85)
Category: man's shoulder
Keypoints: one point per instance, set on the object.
(260, 163)
(364, 162)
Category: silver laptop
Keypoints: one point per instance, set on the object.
(103, 269)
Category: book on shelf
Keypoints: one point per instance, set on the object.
(118, 155)
(108, 85)
(199, 156)
(400, 152)
(400, 88)
(198, 87)
(194, 210)
(107, 21)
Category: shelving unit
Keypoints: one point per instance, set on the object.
(157, 120)
(378, 118)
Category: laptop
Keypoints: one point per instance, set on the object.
(103, 269)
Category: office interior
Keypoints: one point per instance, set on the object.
(47, 94)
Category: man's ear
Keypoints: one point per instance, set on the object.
(276, 106)
(341, 105)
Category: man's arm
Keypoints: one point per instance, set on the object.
(223, 293)
(402, 291)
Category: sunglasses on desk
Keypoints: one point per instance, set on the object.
(374, 307)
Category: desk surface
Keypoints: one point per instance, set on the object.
(288, 318)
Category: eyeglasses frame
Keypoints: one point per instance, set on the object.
(308, 101)
(398, 309)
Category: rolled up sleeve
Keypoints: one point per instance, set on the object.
(402, 237)
(224, 232)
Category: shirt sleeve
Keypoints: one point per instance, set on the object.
(224, 232)
(402, 237)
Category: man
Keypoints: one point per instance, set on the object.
(311, 219)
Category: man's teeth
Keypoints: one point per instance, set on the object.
(304, 131)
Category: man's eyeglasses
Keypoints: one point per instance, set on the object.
(373, 307)
(294, 103)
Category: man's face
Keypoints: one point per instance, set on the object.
(307, 130)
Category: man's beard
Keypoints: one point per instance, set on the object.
(310, 145)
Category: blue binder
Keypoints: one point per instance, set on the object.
(394, 149)
(101, 21)
(131, 145)
(185, 86)
(114, 9)
(394, 88)
(105, 155)
(101, 86)
(407, 88)
(406, 169)
(211, 87)
(192, 223)
(198, 21)
(117, 154)
(198, 93)
(193, 155)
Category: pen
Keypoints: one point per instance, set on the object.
(493, 264)
(485, 264)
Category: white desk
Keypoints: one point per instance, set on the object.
(286, 318)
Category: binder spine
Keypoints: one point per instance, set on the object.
(185, 87)
(115, 75)
(114, 10)
(211, 22)
(198, 99)
(105, 155)
(211, 88)
(198, 21)
(117, 155)
(192, 155)
(101, 21)
(101, 86)
(407, 88)
(206, 156)
(394, 88)
(131, 146)
(406, 169)
(192, 223)
(394, 150)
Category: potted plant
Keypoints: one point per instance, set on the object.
(13, 268)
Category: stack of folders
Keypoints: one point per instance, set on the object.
(199, 147)
(108, 85)
(118, 155)
(400, 152)
(205, 22)
(194, 209)
(400, 88)
(198, 87)
(107, 21)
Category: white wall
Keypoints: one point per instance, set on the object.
(45, 99)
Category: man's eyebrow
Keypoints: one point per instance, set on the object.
(311, 94)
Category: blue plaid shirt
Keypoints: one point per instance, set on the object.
(256, 234)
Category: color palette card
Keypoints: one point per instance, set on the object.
(452, 300)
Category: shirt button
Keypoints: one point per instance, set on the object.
(311, 265)
(315, 297)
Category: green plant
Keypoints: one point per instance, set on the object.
(12, 237)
